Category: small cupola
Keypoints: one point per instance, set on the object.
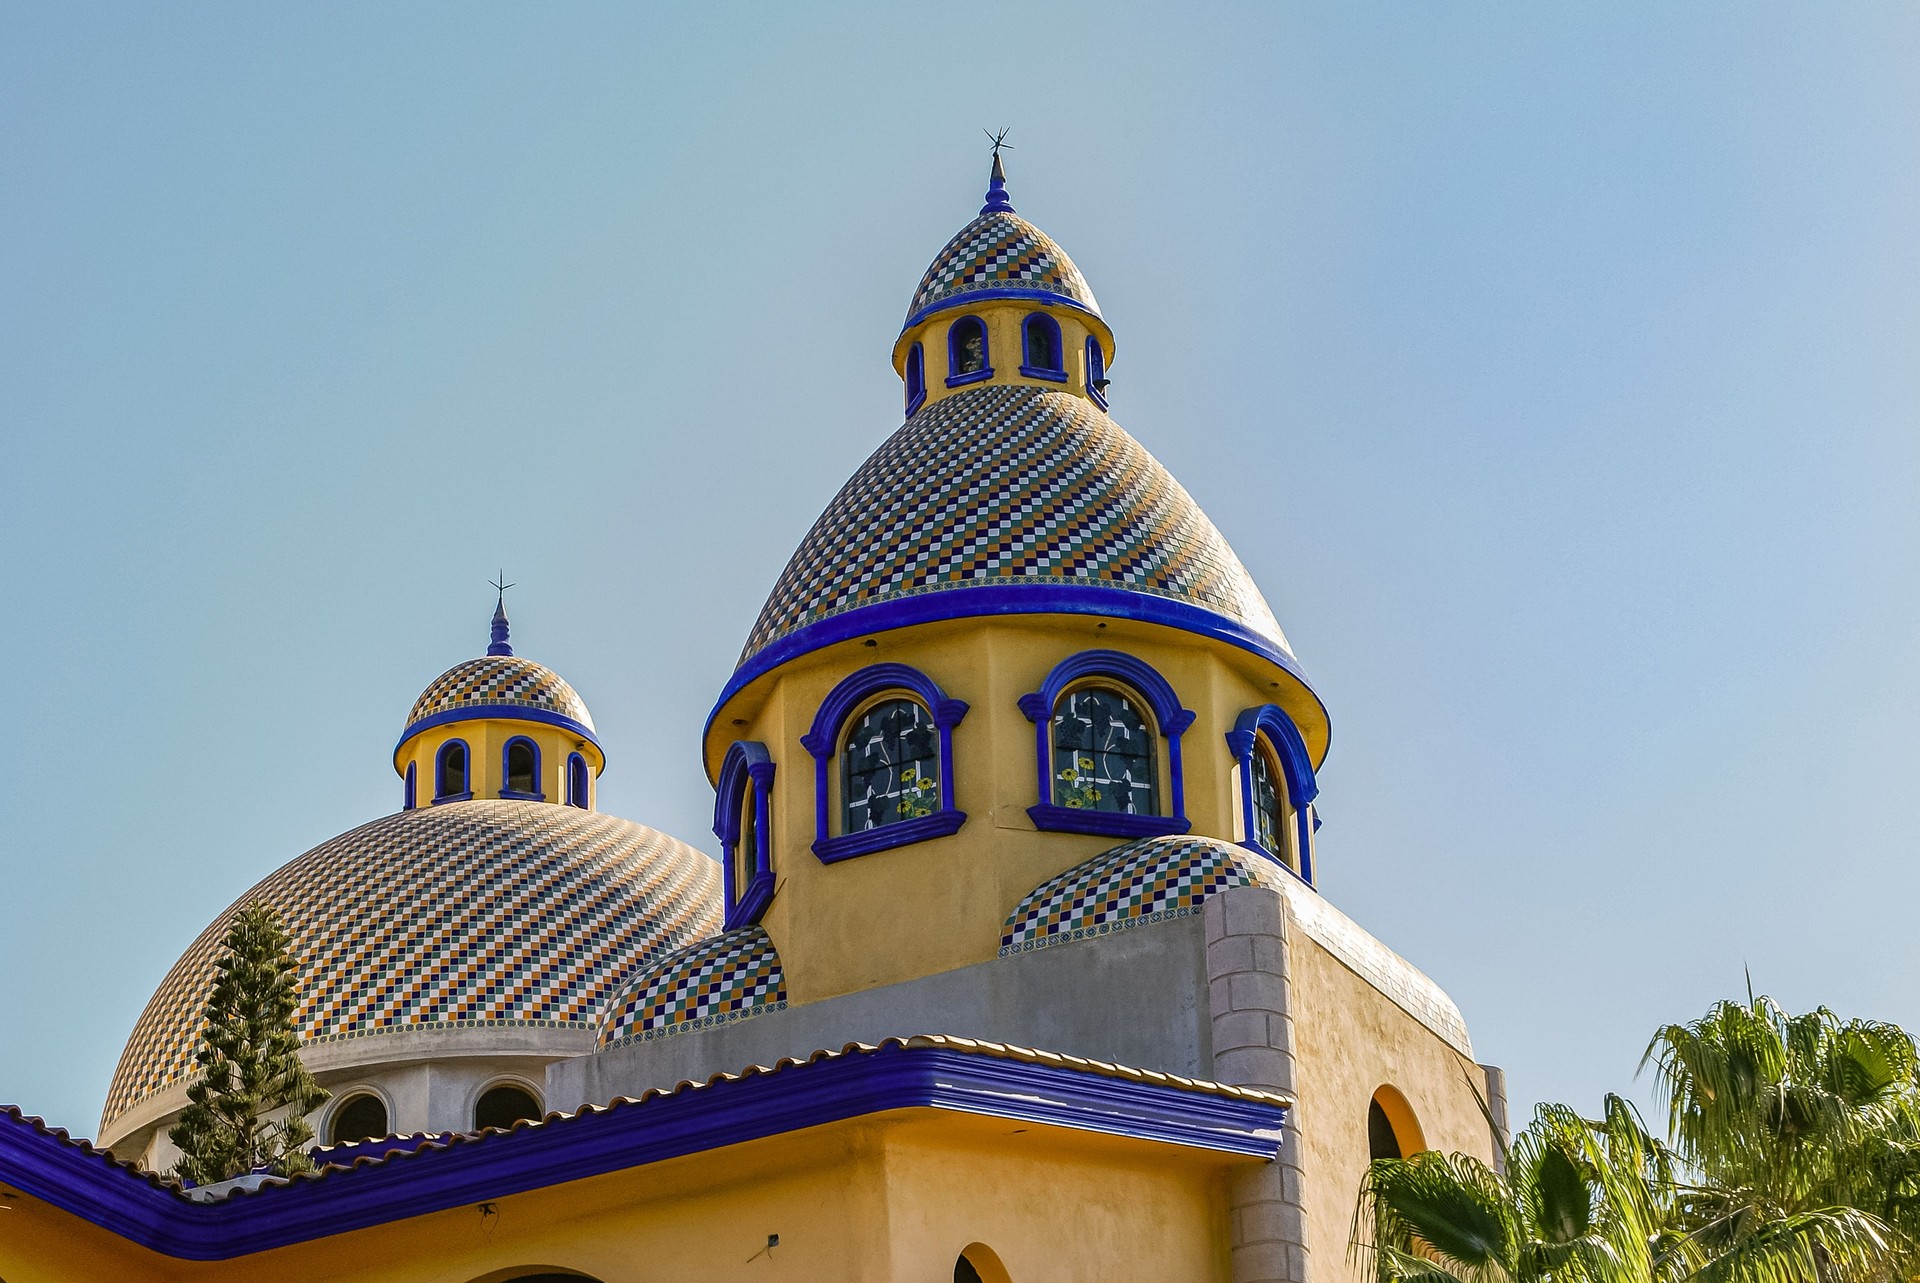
(1002, 304)
(500, 727)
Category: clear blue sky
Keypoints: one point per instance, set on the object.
(1552, 368)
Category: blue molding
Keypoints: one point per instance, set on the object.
(579, 783)
(1051, 376)
(1296, 766)
(1171, 721)
(995, 293)
(962, 380)
(464, 1170)
(822, 742)
(538, 794)
(454, 797)
(746, 765)
(976, 600)
(440, 771)
(500, 713)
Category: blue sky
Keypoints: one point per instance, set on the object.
(1551, 367)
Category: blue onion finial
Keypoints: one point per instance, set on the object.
(997, 199)
(500, 645)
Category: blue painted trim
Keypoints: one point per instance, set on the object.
(464, 1170)
(500, 713)
(453, 797)
(410, 791)
(746, 765)
(579, 784)
(1057, 370)
(1171, 720)
(1051, 376)
(1296, 766)
(985, 371)
(539, 778)
(971, 600)
(991, 293)
(916, 379)
(822, 741)
(962, 380)
(440, 772)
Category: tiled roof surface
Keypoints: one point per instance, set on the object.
(726, 978)
(999, 251)
(465, 915)
(500, 679)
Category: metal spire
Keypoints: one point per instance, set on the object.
(997, 200)
(499, 645)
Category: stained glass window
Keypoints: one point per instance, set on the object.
(1269, 804)
(892, 770)
(746, 847)
(1103, 754)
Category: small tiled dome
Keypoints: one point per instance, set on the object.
(719, 980)
(1000, 250)
(493, 681)
(473, 916)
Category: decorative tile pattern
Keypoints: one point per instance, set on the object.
(1009, 484)
(1143, 881)
(1001, 251)
(500, 679)
(729, 977)
(473, 914)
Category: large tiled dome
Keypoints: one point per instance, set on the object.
(1000, 250)
(493, 681)
(474, 915)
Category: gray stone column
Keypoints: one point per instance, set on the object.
(1497, 1113)
(1253, 1047)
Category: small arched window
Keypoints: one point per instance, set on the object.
(742, 820)
(520, 768)
(361, 1117)
(1096, 372)
(1106, 726)
(409, 794)
(891, 766)
(1277, 788)
(503, 1106)
(916, 377)
(967, 351)
(1269, 802)
(1104, 753)
(1040, 342)
(450, 773)
(979, 1264)
(1392, 1129)
(577, 783)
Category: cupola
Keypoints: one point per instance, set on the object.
(500, 726)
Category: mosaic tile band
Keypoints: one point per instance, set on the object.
(729, 977)
(500, 679)
(471, 914)
(1010, 484)
(1000, 251)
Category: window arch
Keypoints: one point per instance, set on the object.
(916, 377)
(1096, 372)
(410, 791)
(1392, 1129)
(979, 1264)
(579, 786)
(1098, 722)
(451, 781)
(743, 821)
(875, 702)
(504, 1104)
(520, 770)
(1040, 349)
(361, 1116)
(967, 353)
(1277, 788)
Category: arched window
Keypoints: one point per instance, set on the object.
(520, 769)
(578, 785)
(503, 1106)
(979, 1264)
(1040, 344)
(967, 352)
(450, 783)
(1277, 788)
(892, 730)
(409, 793)
(1096, 372)
(916, 378)
(1269, 802)
(1392, 1129)
(1100, 720)
(743, 821)
(361, 1117)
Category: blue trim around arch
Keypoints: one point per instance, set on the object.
(1096, 370)
(974, 600)
(499, 713)
(1296, 764)
(916, 379)
(513, 795)
(1054, 373)
(980, 375)
(1022, 292)
(410, 792)
(579, 784)
(439, 764)
(1172, 721)
(822, 740)
(746, 765)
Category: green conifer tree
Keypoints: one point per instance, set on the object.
(249, 1063)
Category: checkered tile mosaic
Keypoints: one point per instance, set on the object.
(1133, 884)
(729, 977)
(471, 914)
(1009, 484)
(500, 679)
(1001, 251)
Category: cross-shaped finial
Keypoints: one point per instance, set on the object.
(999, 141)
(500, 585)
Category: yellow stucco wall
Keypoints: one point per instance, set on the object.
(1005, 345)
(940, 904)
(486, 739)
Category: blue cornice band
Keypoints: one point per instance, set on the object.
(968, 600)
(500, 713)
(990, 295)
(469, 1170)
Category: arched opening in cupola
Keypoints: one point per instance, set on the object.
(450, 772)
(577, 782)
(503, 1106)
(967, 351)
(1040, 343)
(521, 769)
(890, 766)
(362, 1116)
(1105, 752)
(916, 377)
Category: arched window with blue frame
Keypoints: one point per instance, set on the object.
(579, 786)
(916, 378)
(743, 821)
(520, 770)
(409, 792)
(1101, 720)
(967, 356)
(452, 781)
(1277, 788)
(1096, 372)
(889, 730)
(1040, 349)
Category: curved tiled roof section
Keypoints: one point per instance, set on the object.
(494, 680)
(1000, 251)
(467, 915)
(1010, 484)
(729, 977)
(1153, 879)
